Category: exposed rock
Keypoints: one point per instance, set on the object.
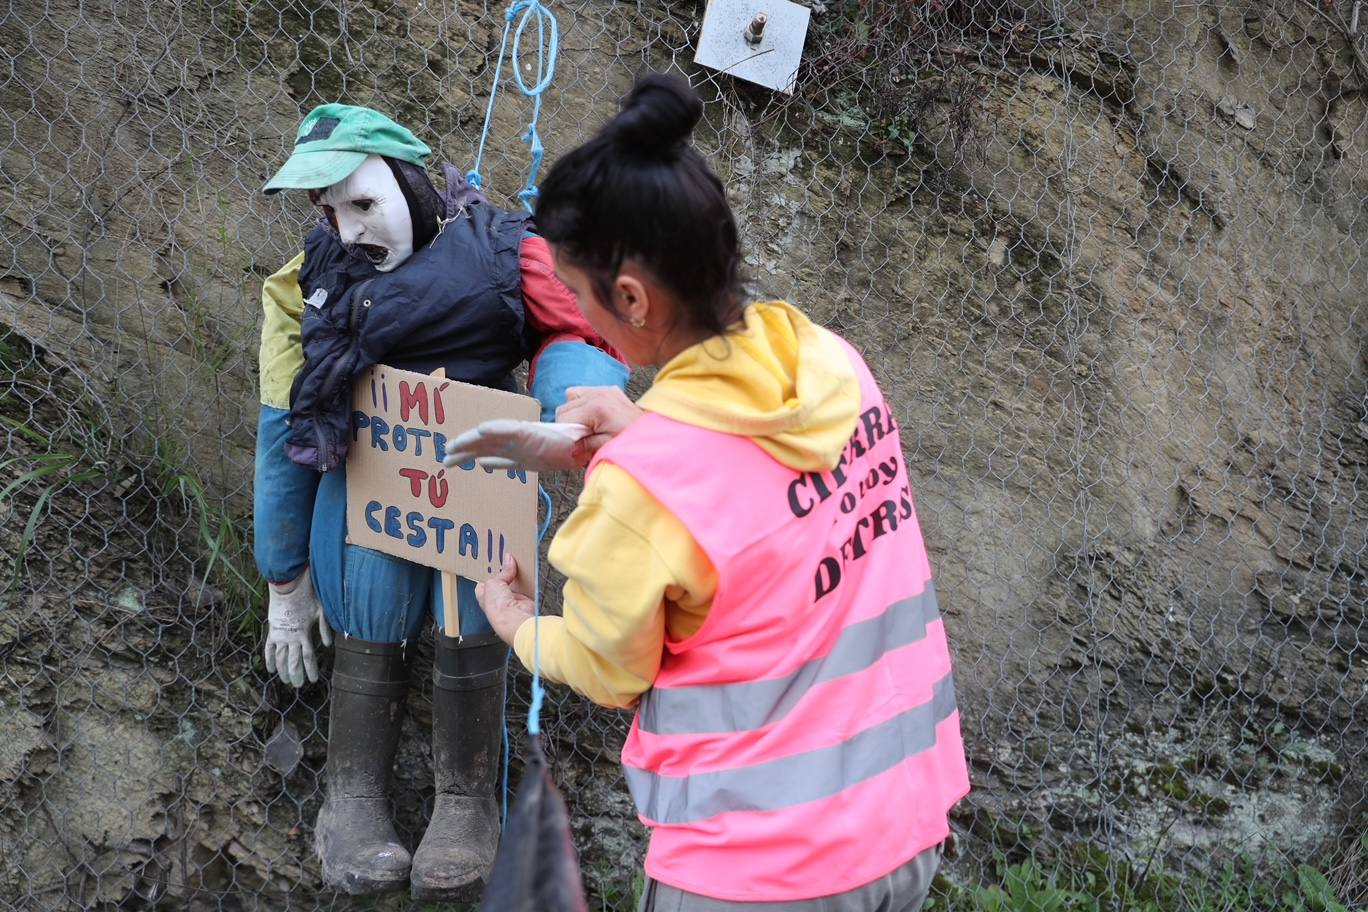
(1125, 341)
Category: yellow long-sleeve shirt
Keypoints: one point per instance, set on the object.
(633, 570)
(282, 353)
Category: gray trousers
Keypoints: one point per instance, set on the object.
(902, 890)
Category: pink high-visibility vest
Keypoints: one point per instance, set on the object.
(805, 741)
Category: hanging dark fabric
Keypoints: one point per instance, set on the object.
(426, 207)
(535, 869)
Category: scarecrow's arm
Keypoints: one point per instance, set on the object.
(567, 351)
(283, 492)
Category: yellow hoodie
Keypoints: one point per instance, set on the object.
(633, 572)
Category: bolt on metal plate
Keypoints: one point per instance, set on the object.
(729, 43)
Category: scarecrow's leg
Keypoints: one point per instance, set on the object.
(355, 836)
(467, 728)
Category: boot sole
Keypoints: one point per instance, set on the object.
(358, 885)
(469, 892)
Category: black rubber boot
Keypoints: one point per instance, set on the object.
(457, 850)
(355, 836)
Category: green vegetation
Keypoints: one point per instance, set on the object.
(1089, 880)
(48, 473)
(609, 889)
(895, 71)
(61, 442)
(222, 537)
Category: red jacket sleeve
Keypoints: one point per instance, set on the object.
(552, 315)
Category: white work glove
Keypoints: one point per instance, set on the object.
(503, 443)
(292, 609)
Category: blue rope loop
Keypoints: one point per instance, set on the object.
(547, 51)
(548, 47)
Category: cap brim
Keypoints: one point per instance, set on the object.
(314, 170)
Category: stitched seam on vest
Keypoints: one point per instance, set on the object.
(748, 705)
(796, 779)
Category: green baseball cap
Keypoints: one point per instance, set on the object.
(334, 139)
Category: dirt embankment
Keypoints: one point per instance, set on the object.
(1122, 322)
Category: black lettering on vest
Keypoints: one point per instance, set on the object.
(856, 447)
(838, 473)
(889, 469)
(885, 518)
(799, 509)
(855, 543)
(828, 576)
(823, 492)
(905, 502)
(870, 483)
(873, 426)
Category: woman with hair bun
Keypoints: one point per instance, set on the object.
(745, 565)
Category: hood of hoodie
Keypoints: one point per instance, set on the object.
(777, 378)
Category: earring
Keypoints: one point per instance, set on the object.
(636, 322)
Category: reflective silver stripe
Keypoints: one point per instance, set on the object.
(792, 780)
(752, 704)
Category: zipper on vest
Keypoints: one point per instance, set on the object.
(332, 378)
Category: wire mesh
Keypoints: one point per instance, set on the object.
(1107, 260)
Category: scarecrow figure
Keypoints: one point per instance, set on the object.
(400, 273)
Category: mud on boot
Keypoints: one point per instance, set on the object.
(360, 852)
(355, 839)
(457, 850)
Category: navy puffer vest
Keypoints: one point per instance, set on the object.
(457, 303)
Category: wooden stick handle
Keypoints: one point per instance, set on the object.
(451, 615)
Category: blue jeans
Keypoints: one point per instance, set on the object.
(301, 520)
(371, 595)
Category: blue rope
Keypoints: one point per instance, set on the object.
(538, 694)
(546, 70)
(547, 49)
(503, 797)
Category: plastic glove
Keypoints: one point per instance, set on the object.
(507, 444)
(292, 608)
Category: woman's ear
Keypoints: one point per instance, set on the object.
(633, 299)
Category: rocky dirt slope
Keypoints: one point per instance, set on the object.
(1110, 269)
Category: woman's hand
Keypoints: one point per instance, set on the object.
(503, 603)
(605, 410)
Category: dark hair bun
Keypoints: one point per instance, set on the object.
(658, 117)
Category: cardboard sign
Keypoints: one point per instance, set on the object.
(401, 500)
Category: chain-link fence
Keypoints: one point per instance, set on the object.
(1107, 259)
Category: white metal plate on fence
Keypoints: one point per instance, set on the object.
(773, 62)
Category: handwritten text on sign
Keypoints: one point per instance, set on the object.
(401, 500)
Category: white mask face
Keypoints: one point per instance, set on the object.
(371, 213)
